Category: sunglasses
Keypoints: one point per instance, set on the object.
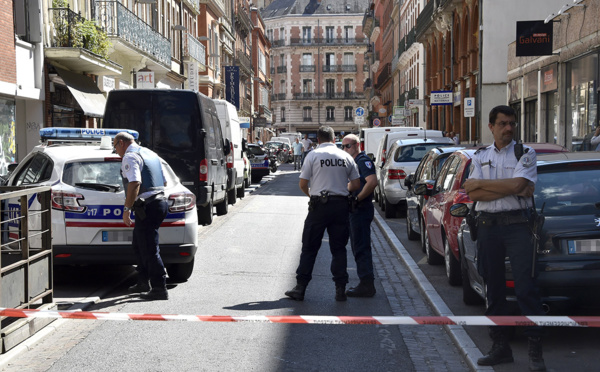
(348, 145)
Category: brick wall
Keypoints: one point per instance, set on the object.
(8, 69)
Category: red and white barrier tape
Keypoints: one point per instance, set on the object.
(546, 321)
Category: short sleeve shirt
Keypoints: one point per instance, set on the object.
(329, 168)
(131, 167)
(493, 164)
(365, 169)
(297, 148)
(306, 144)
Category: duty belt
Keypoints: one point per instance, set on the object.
(502, 218)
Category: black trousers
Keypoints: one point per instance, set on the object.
(145, 243)
(333, 217)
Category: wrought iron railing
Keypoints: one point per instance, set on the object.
(194, 49)
(278, 97)
(64, 21)
(120, 22)
(308, 68)
(278, 43)
(425, 19)
(328, 41)
(281, 69)
(243, 59)
(329, 95)
(339, 68)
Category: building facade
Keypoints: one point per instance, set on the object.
(318, 64)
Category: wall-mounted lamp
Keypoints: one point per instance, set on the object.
(549, 18)
(179, 28)
(145, 1)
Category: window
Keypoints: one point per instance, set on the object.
(445, 179)
(329, 34)
(330, 113)
(348, 34)
(282, 60)
(329, 59)
(306, 32)
(348, 87)
(307, 113)
(330, 88)
(38, 169)
(90, 173)
(270, 35)
(307, 86)
(348, 113)
(27, 21)
(282, 86)
(262, 62)
(348, 59)
(282, 115)
(264, 96)
(307, 59)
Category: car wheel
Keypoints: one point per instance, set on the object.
(452, 265)
(241, 192)
(390, 209)
(412, 235)
(205, 214)
(180, 272)
(470, 296)
(222, 207)
(433, 258)
(231, 196)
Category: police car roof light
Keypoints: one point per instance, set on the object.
(85, 134)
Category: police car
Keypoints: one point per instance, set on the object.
(87, 202)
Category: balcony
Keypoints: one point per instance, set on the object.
(329, 96)
(278, 43)
(79, 44)
(384, 75)
(130, 35)
(278, 97)
(281, 69)
(243, 22)
(368, 84)
(218, 6)
(194, 49)
(308, 68)
(318, 41)
(246, 106)
(368, 21)
(306, 119)
(424, 20)
(243, 60)
(339, 68)
(193, 4)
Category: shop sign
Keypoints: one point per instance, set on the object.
(441, 97)
(534, 38)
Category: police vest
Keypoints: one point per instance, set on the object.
(152, 176)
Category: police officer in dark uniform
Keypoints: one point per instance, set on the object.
(332, 174)
(361, 216)
(502, 186)
(144, 183)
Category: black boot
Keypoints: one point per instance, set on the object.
(340, 292)
(157, 293)
(140, 286)
(365, 288)
(297, 293)
(500, 353)
(536, 362)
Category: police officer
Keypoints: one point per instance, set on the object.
(360, 219)
(502, 186)
(332, 173)
(144, 183)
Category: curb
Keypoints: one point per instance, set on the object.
(458, 334)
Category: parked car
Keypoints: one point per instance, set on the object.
(428, 169)
(182, 127)
(439, 228)
(88, 199)
(567, 193)
(247, 167)
(401, 160)
(259, 161)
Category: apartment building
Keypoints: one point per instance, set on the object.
(318, 64)
(262, 83)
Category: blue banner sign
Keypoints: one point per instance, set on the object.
(232, 85)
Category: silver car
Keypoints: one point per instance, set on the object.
(403, 157)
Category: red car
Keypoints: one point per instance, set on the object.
(441, 244)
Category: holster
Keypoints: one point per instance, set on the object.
(139, 208)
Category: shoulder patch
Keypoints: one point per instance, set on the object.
(369, 164)
(127, 167)
(527, 160)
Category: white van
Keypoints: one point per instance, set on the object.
(370, 137)
(291, 136)
(230, 125)
(282, 139)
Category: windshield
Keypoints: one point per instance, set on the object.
(568, 190)
(255, 150)
(414, 153)
(97, 175)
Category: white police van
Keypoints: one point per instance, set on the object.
(87, 202)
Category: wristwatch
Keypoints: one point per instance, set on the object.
(126, 209)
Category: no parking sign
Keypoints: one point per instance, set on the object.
(376, 122)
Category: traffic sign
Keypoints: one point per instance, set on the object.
(376, 122)
(359, 120)
(390, 118)
(398, 122)
(360, 111)
(469, 107)
(415, 102)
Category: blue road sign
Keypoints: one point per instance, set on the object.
(360, 111)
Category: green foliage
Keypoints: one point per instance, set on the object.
(91, 37)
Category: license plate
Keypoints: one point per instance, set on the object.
(584, 246)
(117, 236)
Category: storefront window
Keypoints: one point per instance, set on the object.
(582, 99)
(551, 116)
(7, 133)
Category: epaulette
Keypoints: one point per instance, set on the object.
(480, 149)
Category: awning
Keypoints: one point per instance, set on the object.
(86, 92)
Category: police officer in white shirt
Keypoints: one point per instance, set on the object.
(332, 174)
(144, 183)
(502, 186)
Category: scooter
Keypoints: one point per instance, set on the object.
(273, 160)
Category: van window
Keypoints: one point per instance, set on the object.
(133, 111)
(176, 117)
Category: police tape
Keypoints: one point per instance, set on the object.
(545, 321)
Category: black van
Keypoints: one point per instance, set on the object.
(182, 127)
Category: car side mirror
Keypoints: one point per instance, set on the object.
(424, 188)
(459, 210)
